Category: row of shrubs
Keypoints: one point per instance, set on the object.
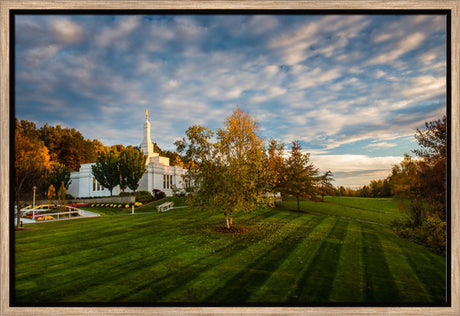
(431, 233)
(145, 196)
(141, 196)
(117, 205)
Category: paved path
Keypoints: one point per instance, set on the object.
(26, 220)
(90, 214)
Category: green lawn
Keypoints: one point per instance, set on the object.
(382, 211)
(285, 257)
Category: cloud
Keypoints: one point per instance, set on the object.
(361, 168)
(109, 35)
(424, 86)
(268, 94)
(406, 45)
(326, 36)
(307, 77)
(66, 31)
(381, 145)
(39, 55)
(260, 24)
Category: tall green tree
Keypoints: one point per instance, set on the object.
(275, 166)
(106, 170)
(325, 186)
(132, 167)
(59, 174)
(198, 153)
(364, 191)
(300, 175)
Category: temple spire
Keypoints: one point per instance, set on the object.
(146, 145)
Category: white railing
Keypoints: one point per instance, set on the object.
(56, 215)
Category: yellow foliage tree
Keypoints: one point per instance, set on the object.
(61, 196)
(242, 166)
(31, 162)
(51, 194)
(229, 175)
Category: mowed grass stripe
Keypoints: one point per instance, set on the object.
(104, 244)
(107, 232)
(220, 259)
(282, 281)
(117, 252)
(426, 266)
(410, 287)
(182, 270)
(243, 284)
(379, 205)
(206, 286)
(90, 228)
(380, 286)
(82, 253)
(349, 283)
(170, 272)
(138, 277)
(316, 281)
(116, 262)
(341, 211)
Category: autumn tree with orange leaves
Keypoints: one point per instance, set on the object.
(32, 160)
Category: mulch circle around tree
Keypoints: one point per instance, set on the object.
(231, 230)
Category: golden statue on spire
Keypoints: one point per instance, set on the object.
(147, 114)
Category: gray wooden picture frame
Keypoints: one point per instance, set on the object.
(7, 5)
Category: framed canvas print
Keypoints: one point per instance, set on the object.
(246, 157)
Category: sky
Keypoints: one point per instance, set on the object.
(352, 89)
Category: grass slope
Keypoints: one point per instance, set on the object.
(285, 257)
(382, 211)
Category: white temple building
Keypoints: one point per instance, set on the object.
(158, 174)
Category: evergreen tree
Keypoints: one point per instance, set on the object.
(300, 175)
(325, 186)
(275, 166)
(61, 197)
(51, 195)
